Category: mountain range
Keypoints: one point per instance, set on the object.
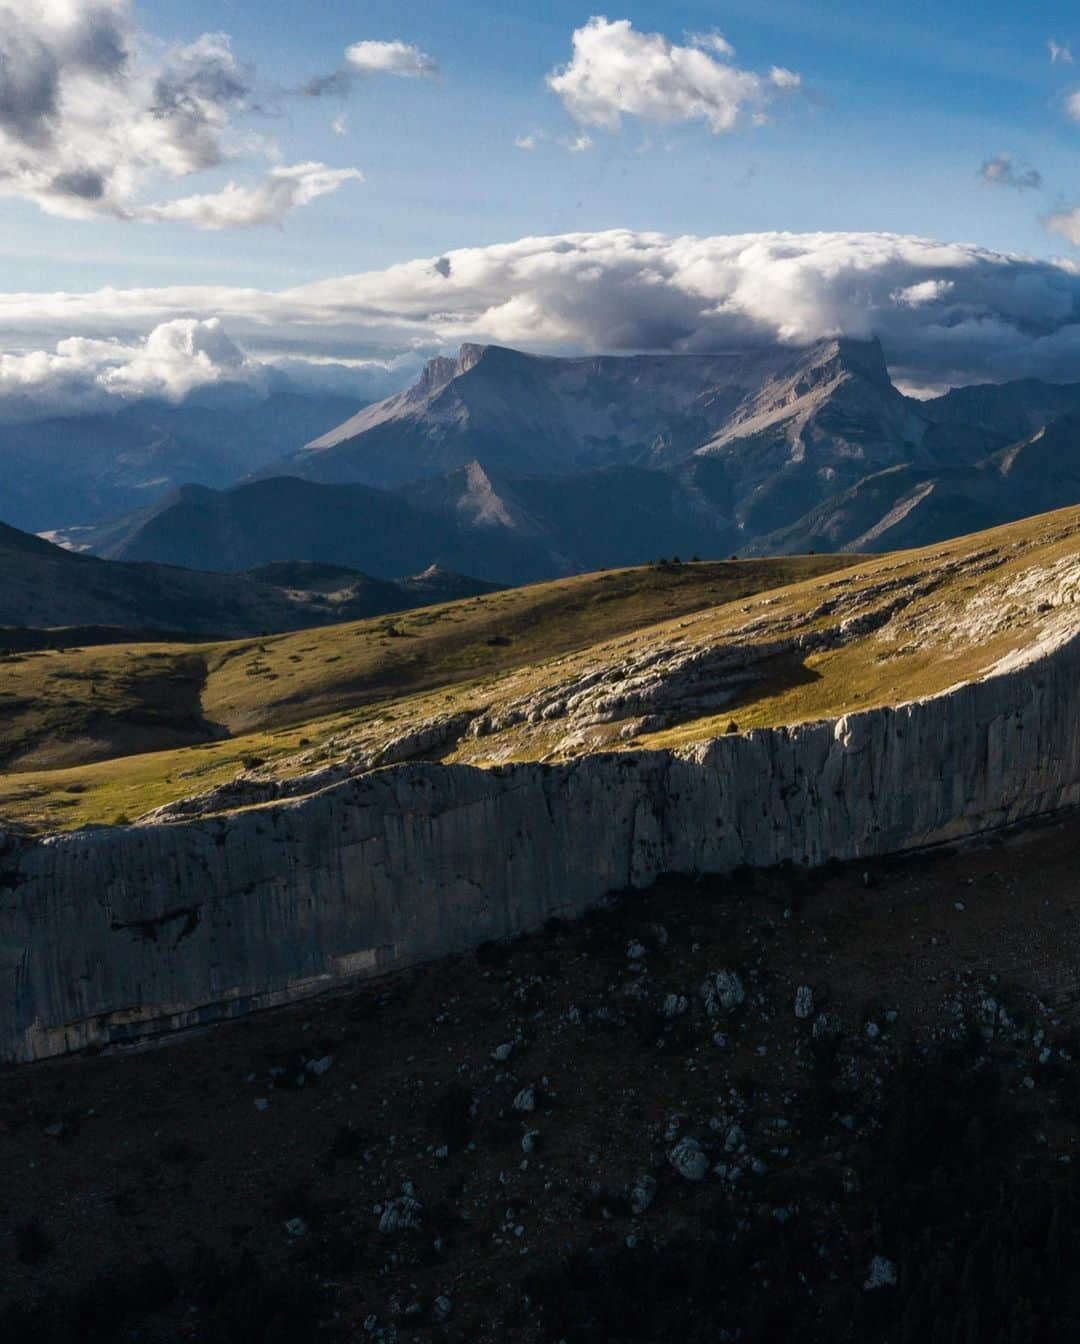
(516, 467)
(86, 468)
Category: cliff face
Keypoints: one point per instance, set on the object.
(113, 934)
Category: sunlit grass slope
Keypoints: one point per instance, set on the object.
(75, 726)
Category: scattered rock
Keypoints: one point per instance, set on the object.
(882, 1274)
(689, 1159)
(721, 992)
(525, 1099)
(642, 1194)
(401, 1214)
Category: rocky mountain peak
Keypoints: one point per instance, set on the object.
(437, 372)
(469, 356)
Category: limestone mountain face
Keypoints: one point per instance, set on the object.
(527, 414)
(1006, 412)
(913, 505)
(399, 851)
(516, 467)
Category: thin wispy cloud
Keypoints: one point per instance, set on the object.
(279, 193)
(363, 60)
(1066, 224)
(1003, 171)
(1059, 55)
(577, 143)
(618, 72)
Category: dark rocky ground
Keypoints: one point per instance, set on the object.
(588, 1135)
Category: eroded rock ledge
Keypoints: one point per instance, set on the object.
(113, 934)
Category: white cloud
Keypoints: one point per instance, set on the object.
(578, 143)
(365, 59)
(92, 115)
(391, 58)
(785, 79)
(945, 312)
(1066, 225)
(340, 125)
(280, 192)
(1002, 171)
(83, 374)
(1072, 105)
(176, 360)
(923, 293)
(1058, 53)
(711, 41)
(616, 71)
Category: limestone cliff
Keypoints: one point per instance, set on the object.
(112, 934)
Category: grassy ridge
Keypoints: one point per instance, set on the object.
(66, 717)
(938, 617)
(258, 684)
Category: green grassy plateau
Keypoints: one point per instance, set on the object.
(95, 734)
(101, 735)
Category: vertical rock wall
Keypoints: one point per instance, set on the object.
(116, 933)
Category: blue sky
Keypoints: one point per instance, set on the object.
(177, 209)
(900, 110)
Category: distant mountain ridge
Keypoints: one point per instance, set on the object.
(87, 468)
(523, 414)
(43, 587)
(516, 467)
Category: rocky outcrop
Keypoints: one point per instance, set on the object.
(112, 934)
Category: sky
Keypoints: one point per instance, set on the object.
(346, 186)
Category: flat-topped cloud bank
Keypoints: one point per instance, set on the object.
(946, 313)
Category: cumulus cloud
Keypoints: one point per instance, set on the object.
(945, 312)
(83, 374)
(1058, 53)
(175, 361)
(616, 71)
(1001, 171)
(390, 58)
(364, 59)
(91, 115)
(1072, 105)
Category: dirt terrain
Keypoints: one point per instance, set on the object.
(774, 1106)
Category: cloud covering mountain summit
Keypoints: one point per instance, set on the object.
(946, 313)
